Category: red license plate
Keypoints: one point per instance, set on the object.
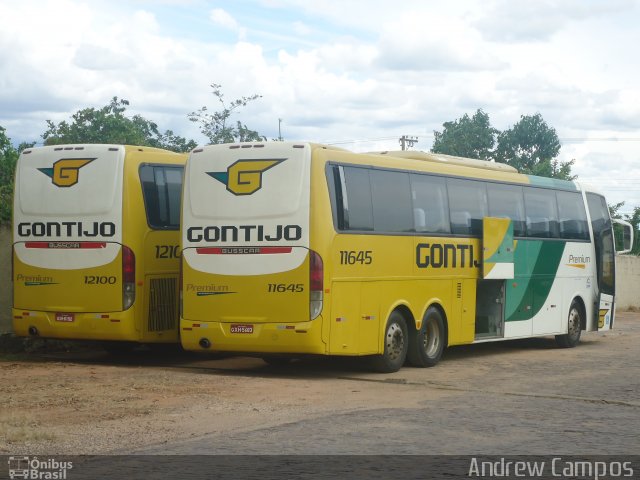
(65, 317)
(241, 328)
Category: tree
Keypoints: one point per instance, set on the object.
(109, 124)
(532, 146)
(467, 137)
(634, 219)
(8, 159)
(215, 125)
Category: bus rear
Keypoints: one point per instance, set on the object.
(250, 282)
(72, 276)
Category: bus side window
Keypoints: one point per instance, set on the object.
(542, 213)
(391, 198)
(161, 190)
(573, 217)
(507, 201)
(358, 204)
(467, 197)
(430, 204)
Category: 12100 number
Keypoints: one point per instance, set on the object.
(99, 280)
(167, 251)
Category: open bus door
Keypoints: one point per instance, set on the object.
(605, 261)
(497, 266)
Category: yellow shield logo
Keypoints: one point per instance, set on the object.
(64, 172)
(244, 177)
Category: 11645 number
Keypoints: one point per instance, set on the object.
(351, 257)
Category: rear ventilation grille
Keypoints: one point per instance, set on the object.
(459, 290)
(163, 304)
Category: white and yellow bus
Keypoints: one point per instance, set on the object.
(297, 248)
(95, 243)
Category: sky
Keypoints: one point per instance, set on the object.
(357, 74)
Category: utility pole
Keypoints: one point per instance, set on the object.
(279, 131)
(407, 142)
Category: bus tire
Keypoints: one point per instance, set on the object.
(574, 327)
(396, 344)
(427, 344)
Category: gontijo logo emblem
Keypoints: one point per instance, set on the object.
(244, 177)
(64, 172)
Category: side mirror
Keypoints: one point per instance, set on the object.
(627, 236)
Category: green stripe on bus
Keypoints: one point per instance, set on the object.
(534, 259)
(552, 183)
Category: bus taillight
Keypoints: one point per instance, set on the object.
(316, 284)
(128, 277)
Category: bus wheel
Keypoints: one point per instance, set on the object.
(572, 337)
(427, 344)
(396, 343)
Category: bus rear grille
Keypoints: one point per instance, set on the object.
(163, 304)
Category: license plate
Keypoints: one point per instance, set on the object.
(65, 317)
(236, 328)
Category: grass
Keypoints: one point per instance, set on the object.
(20, 429)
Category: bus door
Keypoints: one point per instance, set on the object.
(497, 266)
(605, 252)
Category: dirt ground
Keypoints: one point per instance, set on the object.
(91, 403)
(88, 402)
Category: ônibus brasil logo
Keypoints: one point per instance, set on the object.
(244, 177)
(65, 172)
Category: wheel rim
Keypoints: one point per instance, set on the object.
(395, 341)
(432, 339)
(574, 322)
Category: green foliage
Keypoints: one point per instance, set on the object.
(530, 145)
(215, 125)
(8, 159)
(471, 137)
(109, 124)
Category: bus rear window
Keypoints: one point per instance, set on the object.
(161, 189)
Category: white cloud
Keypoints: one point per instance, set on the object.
(224, 19)
(301, 29)
(363, 72)
(430, 41)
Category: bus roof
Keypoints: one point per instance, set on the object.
(451, 159)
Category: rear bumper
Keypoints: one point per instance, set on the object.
(303, 337)
(85, 326)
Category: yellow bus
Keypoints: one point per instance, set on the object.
(298, 248)
(95, 244)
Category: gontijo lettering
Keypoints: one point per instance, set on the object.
(66, 229)
(438, 255)
(246, 233)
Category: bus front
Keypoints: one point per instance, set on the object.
(249, 283)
